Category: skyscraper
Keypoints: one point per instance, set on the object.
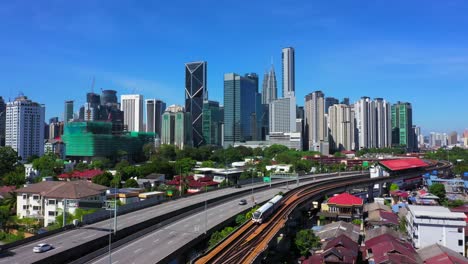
(196, 92)
(212, 122)
(68, 113)
(154, 110)
(176, 127)
(283, 115)
(329, 101)
(453, 138)
(402, 125)
(288, 71)
(132, 107)
(383, 123)
(341, 120)
(365, 121)
(25, 127)
(315, 126)
(2, 121)
(269, 87)
(241, 106)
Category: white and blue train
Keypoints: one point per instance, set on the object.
(266, 210)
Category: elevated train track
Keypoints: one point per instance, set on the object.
(246, 243)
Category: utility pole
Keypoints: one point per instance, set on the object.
(65, 201)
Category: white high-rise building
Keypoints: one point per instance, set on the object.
(283, 115)
(364, 122)
(373, 123)
(288, 71)
(341, 123)
(315, 124)
(383, 123)
(24, 130)
(132, 106)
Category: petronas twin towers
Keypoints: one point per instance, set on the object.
(269, 91)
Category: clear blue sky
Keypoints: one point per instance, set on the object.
(414, 51)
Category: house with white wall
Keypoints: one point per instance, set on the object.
(427, 225)
(45, 200)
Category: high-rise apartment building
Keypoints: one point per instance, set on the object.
(283, 115)
(341, 120)
(315, 124)
(288, 71)
(2, 121)
(402, 125)
(329, 101)
(212, 122)
(196, 92)
(154, 110)
(383, 123)
(25, 127)
(132, 107)
(176, 127)
(365, 120)
(269, 91)
(242, 109)
(68, 113)
(453, 138)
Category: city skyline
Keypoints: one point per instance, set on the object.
(337, 50)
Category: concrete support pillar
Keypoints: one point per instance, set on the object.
(370, 193)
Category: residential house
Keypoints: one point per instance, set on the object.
(438, 254)
(345, 207)
(388, 249)
(333, 230)
(341, 249)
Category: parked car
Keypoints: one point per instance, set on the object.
(43, 247)
(243, 202)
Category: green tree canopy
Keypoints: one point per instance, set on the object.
(167, 152)
(131, 183)
(306, 240)
(184, 165)
(394, 187)
(438, 189)
(208, 164)
(8, 159)
(274, 149)
(48, 165)
(103, 179)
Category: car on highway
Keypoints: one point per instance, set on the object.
(43, 247)
(243, 202)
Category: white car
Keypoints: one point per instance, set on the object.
(43, 247)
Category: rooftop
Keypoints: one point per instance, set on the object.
(64, 189)
(403, 164)
(336, 229)
(436, 253)
(345, 199)
(435, 211)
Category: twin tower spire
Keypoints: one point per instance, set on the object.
(270, 88)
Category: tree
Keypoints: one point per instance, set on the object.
(167, 152)
(402, 225)
(438, 189)
(240, 219)
(306, 240)
(303, 165)
(208, 164)
(48, 165)
(258, 152)
(15, 177)
(274, 149)
(101, 164)
(116, 182)
(185, 165)
(103, 179)
(394, 187)
(149, 150)
(81, 166)
(8, 159)
(131, 183)
(4, 215)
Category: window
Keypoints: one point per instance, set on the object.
(37, 208)
(52, 213)
(25, 207)
(460, 230)
(25, 196)
(460, 242)
(51, 202)
(35, 197)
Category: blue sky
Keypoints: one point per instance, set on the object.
(414, 51)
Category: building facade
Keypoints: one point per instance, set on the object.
(196, 92)
(315, 125)
(329, 101)
(427, 225)
(154, 111)
(288, 71)
(282, 113)
(212, 121)
(25, 127)
(341, 120)
(132, 107)
(242, 109)
(68, 113)
(176, 127)
(402, 125)
(2, 121)
(269, 87)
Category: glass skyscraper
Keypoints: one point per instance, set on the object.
(402, 125)
(212, 122)
(196, 92)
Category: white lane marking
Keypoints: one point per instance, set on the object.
(186, 225)
(170, 242)
(221, 215)
(138, 250)
(172, 232)
(210, 214)
(155, 241)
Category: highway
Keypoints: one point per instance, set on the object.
(69, 239)
(156, 246)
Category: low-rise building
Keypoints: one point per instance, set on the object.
(45, 200)
(438, 254)
(387, 248)
(345, 207)
(427, 225)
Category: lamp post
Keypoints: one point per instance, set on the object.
(206, 209)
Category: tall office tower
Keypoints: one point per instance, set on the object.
(212, 122)
(25, 127)
(154, 110)
(241, 106)
(109, 110)
(315, 126)
(283, 115)
(269, 91)
(419, 137)
(402, 125)
(329, 101)
(383, 123)
(2, 121)
(132, 107)
(288, 71)
(453, 138)
(54, 119)
(345, 101)
(176, 127)
(365, 119)
(341, 120)
(196, 92)
(68, 113)
(109, 97)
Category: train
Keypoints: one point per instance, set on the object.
(262, 213)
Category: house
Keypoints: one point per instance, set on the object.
(345, 207)
(87, 175)
(380, 218)
(375, 232)
(341, 249)
(30, 173)
(333, 230)
(388, 249)
(438, 254)
(45, 200)
(194, 186)
(279, 168)
(427, 225)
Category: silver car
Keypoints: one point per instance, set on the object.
(43, 247)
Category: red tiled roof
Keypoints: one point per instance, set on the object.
(7, 189)
(345, 199)
(388, 249)
(399, 193)
(462, 209)
(403, 164)
(64, 189)
(438, 254)
(88, 174)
